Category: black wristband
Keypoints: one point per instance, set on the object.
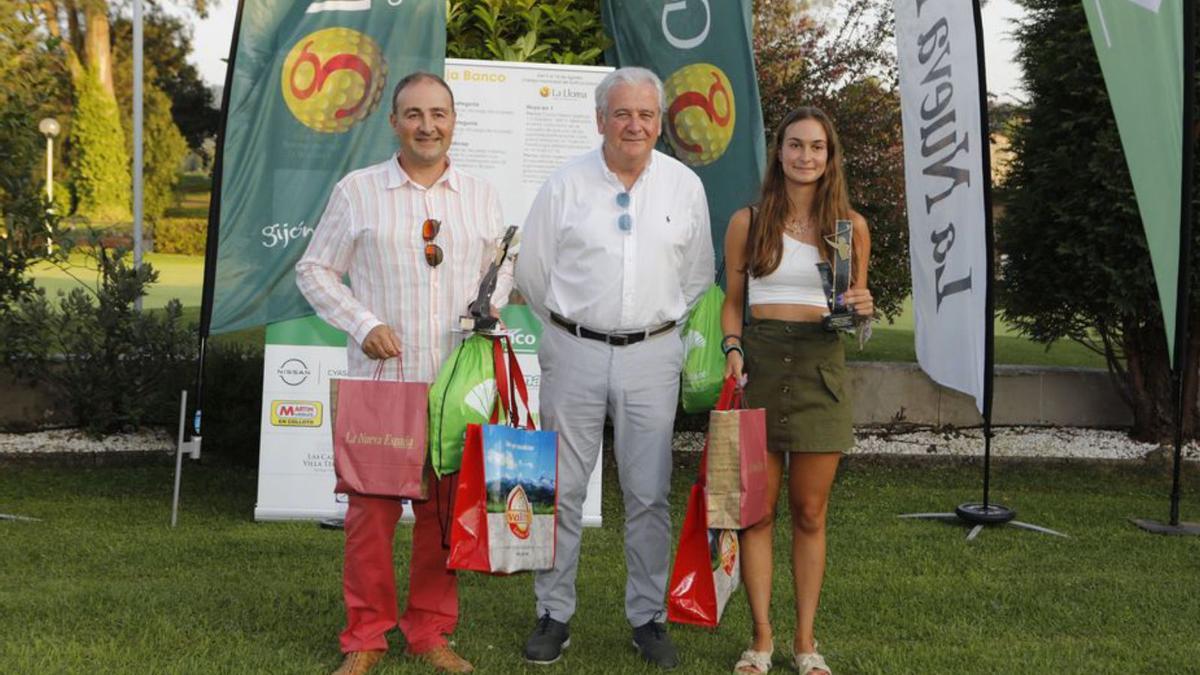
(725, 339)
(732, 348)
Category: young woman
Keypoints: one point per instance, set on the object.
(795, 368)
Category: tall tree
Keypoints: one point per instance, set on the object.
(1076, 264)
(168, 42)
(100, 162)
(33, 85)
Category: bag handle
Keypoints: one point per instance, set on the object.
(399, 368)
(511, 390)
(733, 395)
(518, 379)
(746, 271)
(501, 373)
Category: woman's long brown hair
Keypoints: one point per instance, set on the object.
(764, 246)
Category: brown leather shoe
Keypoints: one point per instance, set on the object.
(444, 659)
(358, 663)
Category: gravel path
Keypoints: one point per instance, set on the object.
(75, 441)
(1040, 442)
(1043, 442)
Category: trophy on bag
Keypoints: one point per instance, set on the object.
(479, 318)
(835, 277)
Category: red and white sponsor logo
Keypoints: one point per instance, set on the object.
(296, 413)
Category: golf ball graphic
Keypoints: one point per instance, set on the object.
(333, 79)
(700, 113)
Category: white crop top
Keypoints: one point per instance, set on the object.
(796, 280)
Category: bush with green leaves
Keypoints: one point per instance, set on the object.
(26, 220)
(554, 31)
(115, 367)
(185, 236)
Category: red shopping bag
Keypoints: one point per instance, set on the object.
(707, 568)
(506, 502)
(379, 436)
(708, 562)
(736, 461)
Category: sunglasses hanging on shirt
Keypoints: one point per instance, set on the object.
(429, 232)
(625, 220)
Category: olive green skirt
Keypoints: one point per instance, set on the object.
(797, 371)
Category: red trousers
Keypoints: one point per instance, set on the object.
(369, 578)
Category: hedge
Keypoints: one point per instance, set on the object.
(180, 235)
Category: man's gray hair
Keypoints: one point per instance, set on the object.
(631, 75)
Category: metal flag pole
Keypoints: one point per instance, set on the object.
(1183, 286)
(981, 514)
(138, 116)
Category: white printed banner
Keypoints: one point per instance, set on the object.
(944, 139)
(295, 463)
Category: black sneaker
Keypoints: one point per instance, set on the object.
(653, 643)
(549, 639)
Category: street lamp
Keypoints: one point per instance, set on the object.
(49, 128)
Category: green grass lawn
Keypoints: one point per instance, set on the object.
(179, 276)
(182, 277)
(103, 585)
(890, 343)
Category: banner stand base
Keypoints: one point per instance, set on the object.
(1158, 527)
(980, 516)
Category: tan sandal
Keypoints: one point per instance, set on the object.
(754, 663)
(806, 663)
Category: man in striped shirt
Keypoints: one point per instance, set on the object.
(414, 236)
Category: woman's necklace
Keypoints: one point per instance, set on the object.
(798, 228)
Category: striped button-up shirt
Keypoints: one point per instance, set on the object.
(371, 233)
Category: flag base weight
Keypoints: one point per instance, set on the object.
(984, 514)
(1159, 527)
(980, 516)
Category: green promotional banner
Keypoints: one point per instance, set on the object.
(308, 331)
(309, 102)
(1140, 47)
(703, 52)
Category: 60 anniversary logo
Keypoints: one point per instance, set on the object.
(333, 79)
(700, 113)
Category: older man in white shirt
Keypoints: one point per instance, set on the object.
(614, 251)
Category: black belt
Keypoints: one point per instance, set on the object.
(615, 339)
